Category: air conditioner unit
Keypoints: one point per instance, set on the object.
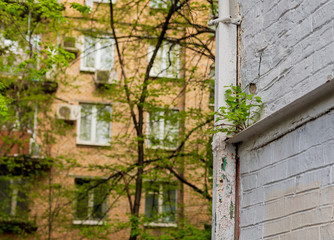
(69, 44)
(68, 112)
(104, 77)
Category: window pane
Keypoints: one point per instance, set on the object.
(155, 128)
(81, 210)
(212, 85)
(171, 130)
(106, 54)
(5, 197)
(172, 62)
(159, 4)
(169, 203)
(152, 204)
(158, 61)
(22, 200)
(90, 199)
(86, 123)
(89, 53)
(99, 206)
(103, 124)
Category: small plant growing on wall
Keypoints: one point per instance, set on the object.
(241, 111)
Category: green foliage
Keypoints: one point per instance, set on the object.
(241, 111)
(3, 103)
(80, 8)
(135, 90)
(184, 232)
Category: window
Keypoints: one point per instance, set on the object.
(94, 126)
(15, 49)
(91, 201)
(17, 129)
(6, 40)
(13, 198)
(9, 44)
(166, 64)
(212, 87)
(158, 4)
(35, 42)
(90, 3)
(160, 202)
(20, 117)
(97, 54)
(163, 129)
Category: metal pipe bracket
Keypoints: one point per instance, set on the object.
(227, 20)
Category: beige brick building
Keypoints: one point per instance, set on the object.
(281, 167)
(69, 147)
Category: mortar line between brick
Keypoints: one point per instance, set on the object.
(262, 204)
(311, 13)
(304, 56)
(280, 218)
(312, 225)
(286, 159)
(294, 128)
(282, 74)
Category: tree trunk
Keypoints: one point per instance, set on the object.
(139, 177)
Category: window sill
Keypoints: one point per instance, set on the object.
(158, 8)
(170, 78)
(87, 70)
(93, 144)
(161, 225)
(88, 222)
(161, 148)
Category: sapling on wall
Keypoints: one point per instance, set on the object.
(240, 112)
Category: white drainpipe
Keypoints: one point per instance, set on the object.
(224, 179)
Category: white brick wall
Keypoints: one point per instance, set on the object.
(291, 196)
(295, 42)
(287, 186)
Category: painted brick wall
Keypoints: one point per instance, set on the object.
(287, 48)
(287, 185)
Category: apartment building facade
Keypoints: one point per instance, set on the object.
(77, 122)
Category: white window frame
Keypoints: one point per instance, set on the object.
(90, 207)
(21, 52)
(164, 70)
(14, 193)
(158, 4)
(15, 123)
(35, 41)
(90, 3)
(14, 198)
(98, 52)
(93, 126)
(14, 46)
(159, 222)
(161, 136)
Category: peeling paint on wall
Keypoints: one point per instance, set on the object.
(224, 163)
(224, 190)
(231, 210)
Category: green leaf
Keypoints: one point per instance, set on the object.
(249, 96)
(238, 110)
(80, 8)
